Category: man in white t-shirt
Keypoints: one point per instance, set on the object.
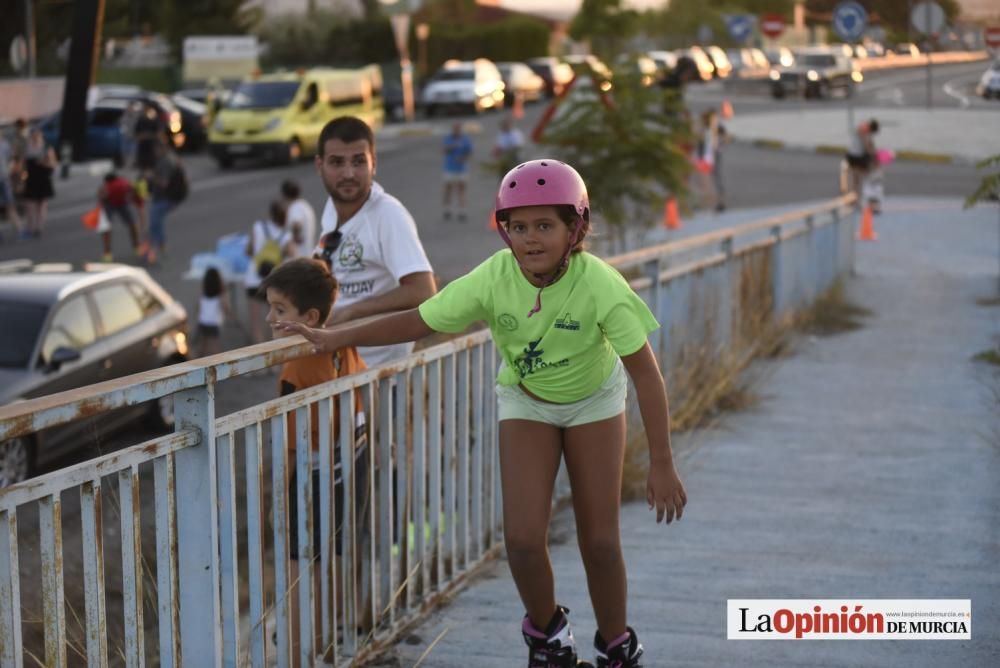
(300, 218)
(368, 237)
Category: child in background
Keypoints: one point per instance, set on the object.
(114, 195)
(561, 392)
(303, 291)
(213, 309)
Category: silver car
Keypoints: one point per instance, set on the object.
(66, 327)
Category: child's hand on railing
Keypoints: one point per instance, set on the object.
(323, 340)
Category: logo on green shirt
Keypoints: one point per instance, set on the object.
(531, 361)
(508, 322)
(567, 322)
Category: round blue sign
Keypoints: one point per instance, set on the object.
(849, 20)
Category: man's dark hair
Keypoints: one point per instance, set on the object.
(347, 129)
(873, 125)
(290, 189)
(306, 282)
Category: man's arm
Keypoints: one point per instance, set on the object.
(414, 289)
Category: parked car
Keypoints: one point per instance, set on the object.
(555, 73)
(590, 65)
(665, 61)
(989, 83)
(720, 62)
(906, 49)
(194, 122)
(166, 110)
(67, 327)
(816, 73)
(780, 57)
(520, 80)
(103, 136)
(706, 70)
(748, 63)
(474, 85)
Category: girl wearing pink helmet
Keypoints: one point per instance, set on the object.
(570, 330)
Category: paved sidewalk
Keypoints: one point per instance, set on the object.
(869, 469)
(938, 135)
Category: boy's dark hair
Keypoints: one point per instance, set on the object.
(109, 177)
(306, 282)
(211, 283)
(290, 189)
(567, 214)
(873, 125)
(347, 129)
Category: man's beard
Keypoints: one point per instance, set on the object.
(360, 193)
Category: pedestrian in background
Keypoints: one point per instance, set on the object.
(39, 163)
(270, 243)
(114, 196)
(169, 187)
(705, 159)
(7, 169)
(457, 149)
(507, 149)
(861, 154)
(213, 310)
(300, 218)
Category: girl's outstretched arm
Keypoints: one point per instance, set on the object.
(664, 489)
(380, 330)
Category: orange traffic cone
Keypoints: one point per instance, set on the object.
(867, 231)
(671, 219)
(726, 110)
(493, 221)
(518, 111)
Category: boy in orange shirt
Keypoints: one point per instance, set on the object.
(303, 290)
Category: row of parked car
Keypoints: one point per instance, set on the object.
(112, 108)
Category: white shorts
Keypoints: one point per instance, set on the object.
(606, 402)
(456, 177)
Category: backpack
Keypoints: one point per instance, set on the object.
(177, 186)
(269, 255)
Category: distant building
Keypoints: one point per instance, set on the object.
(977, 10)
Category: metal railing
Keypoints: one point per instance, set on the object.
(218, 587)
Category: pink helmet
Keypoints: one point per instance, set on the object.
(542, 183)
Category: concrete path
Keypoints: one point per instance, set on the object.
(868, 469)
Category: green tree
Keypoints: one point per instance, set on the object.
(606, 24)
(627, 147)
(179, 19)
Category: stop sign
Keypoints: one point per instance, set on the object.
(772, 25)
(991, 35)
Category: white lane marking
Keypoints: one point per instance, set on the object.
(950, 91)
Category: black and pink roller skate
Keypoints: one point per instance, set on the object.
(622, 652)
(554, 647)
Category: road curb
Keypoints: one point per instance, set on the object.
(906, 155)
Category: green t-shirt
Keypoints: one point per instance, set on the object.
(567, 350)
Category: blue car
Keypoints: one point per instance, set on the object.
(104, 135)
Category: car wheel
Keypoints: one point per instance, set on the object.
(16, 461)
(777, 92)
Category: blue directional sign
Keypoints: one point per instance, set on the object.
(739, 26)
(849, 20)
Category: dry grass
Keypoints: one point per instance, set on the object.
(832, 313)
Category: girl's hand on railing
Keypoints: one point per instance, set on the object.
(323, 340)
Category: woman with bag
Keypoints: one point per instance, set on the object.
(39, 163)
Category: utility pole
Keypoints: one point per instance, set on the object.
(29, 36)
(84, 54)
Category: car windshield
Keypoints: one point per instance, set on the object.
(263, 95)
(817, 60)
(19, 334)
(455, 75)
